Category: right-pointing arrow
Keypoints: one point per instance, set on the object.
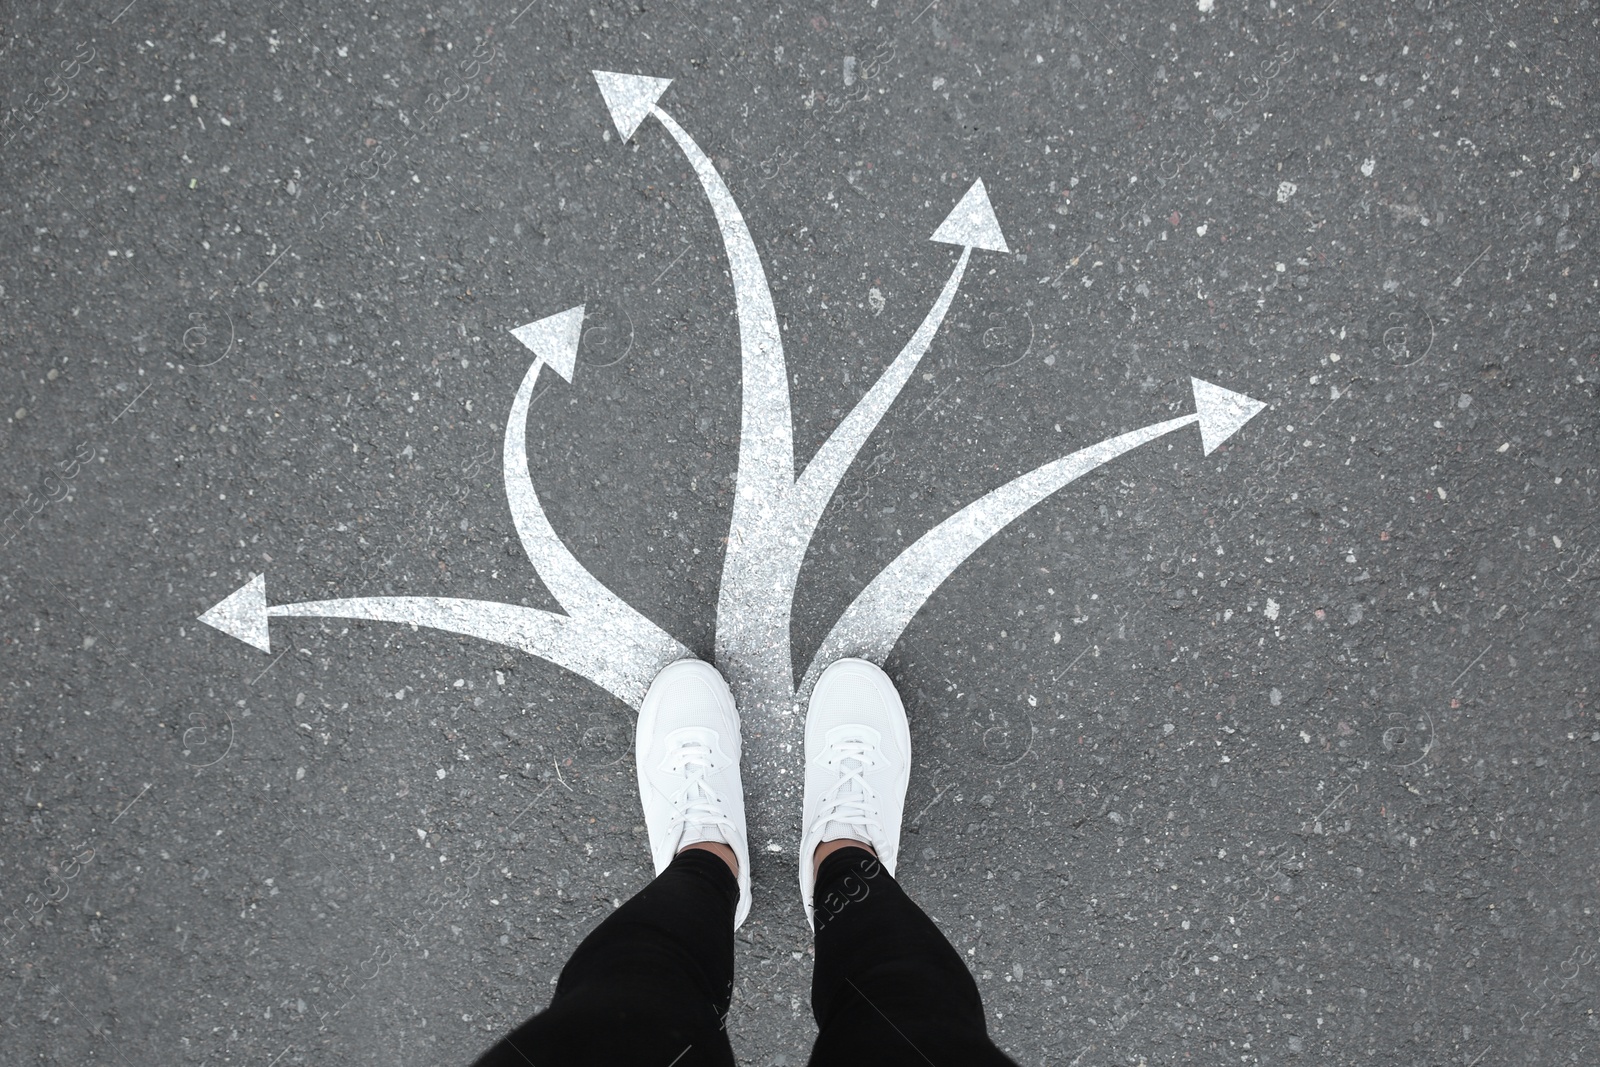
(1222, 412)
(972, 224)
(880, 613)
(629, 97)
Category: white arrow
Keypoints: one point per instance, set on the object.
(759, 576)
(766, 445)
(765, 471)
(971, 225)
(589, 647)
(243, 614)
(1220, 412)
(602, 637)
(554, 340)
(629, 97)
(872, 624)
(774, 517)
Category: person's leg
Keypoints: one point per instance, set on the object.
(649, 985)
(652, 983)
(888, 989)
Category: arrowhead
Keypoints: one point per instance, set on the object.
(972, 224)
(243, 614)
(630, 97)
(1222, 412)
(554, 339)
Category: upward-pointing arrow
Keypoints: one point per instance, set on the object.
(554, 339)
(629, 97)
(766, 434)
(971, 224)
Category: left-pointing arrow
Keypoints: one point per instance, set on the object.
(243, 614)
(619, 657)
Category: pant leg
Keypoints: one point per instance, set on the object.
(888, 989)
(648, 987)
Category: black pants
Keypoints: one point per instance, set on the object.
(651, 985)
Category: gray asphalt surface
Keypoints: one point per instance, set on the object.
(1285, 754)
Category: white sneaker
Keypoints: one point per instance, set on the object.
(687, 750)
(858, 764)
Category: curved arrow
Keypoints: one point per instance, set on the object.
(766, 443)
(873, 623)
(971, 224)
(602, 638)
(774, 517)
(773, 552)
(827, 468)
(587, 647)
(765, 471)
(761, 569)
(554, 341)
(766, 439)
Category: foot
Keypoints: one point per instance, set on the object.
(687, 750)
(858, 764)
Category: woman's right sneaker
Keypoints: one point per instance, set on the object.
(858, 764)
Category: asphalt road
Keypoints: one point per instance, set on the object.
(1286, 753)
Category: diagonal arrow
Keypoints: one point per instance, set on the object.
(586, 646)
(873, 623)
(759, 582)
(971, 225)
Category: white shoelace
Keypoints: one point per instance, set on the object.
(696, 804)
(851, 801)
